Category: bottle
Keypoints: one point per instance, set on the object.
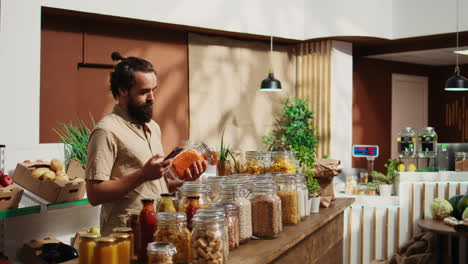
(147, 227)
(443, 158)
(166, 204)
(192, 205)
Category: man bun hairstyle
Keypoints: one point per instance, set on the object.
(123, 76)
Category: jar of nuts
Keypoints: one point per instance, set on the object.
(160, 253)
(207, 240)
(169, 231)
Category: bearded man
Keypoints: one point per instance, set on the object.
(125, 161)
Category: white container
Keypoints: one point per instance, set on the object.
(314, 204)
(385, 189)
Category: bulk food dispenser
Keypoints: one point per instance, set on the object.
(406, 141)
(427, 149)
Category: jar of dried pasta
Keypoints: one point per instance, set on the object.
(289, 199)
(253, 163)
(160, 253)
(207, 240)
(282, 162)
(183, 158)
(169, 231)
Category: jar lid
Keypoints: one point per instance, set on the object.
(105, 240)
(122, 229)
(147, 200)
(161, 249)
(193, 197)
(120, 235)
(89, 235)
(208, 218)
(166, 195)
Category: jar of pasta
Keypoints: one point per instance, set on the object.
(253, 163)
(215, 210)
(86, 248)
(160, 253)
(289, 200)
(105, 251)
(169, 231)
(185, 157)
(124, 251)
(282, 162)
(207, 240)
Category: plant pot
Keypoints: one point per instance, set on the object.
(223, 168)
(385, 189)
(314, 204)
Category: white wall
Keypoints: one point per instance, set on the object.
(342, 102)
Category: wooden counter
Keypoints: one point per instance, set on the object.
(318, 239)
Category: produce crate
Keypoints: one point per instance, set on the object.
(10, 197)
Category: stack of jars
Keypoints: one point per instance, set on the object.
(115, 249)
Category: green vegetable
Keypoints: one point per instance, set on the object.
(462, 204)
(392, 172)
(454, 202)
(440, 208)
(465, 214)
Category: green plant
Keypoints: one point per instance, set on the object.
(225, 153)
(75, 138)
(391, 175)
(313, 186)
(294, 131)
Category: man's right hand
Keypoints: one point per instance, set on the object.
(155, 168)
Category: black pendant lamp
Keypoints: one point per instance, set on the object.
(457, 82)
(270, 84)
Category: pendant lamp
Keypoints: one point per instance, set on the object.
(457, 82)
(270, 84)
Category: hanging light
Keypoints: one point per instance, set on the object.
(270, 84)
(457, 82)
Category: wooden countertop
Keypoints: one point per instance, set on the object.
(439, 227)
(265, 251)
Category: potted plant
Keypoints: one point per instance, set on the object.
(224, 167)
(386, 181)
(314, 194)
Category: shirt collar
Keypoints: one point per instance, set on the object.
(118, 110)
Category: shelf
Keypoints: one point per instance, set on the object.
(63, 205)
(36, 209)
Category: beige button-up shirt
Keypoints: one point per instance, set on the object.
(118, 147)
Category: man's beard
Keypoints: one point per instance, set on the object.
(141, 113)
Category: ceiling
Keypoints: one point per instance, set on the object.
(432, 57)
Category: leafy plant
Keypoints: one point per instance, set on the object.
(313, 186)
(294, 131)
(75, 138)
(391, 175)
(224, 154)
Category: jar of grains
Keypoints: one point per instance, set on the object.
(266, 211)
(302, 194)
(161, 253)
(232, 222)
(282, 162)
(288, 195)
(207, 240)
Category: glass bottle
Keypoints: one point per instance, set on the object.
(166, 204)
(123, 243)
(210, 229)
(105, 251)
(160, 253)
(86, 248)
(168, 231)
(203, 191)
(186, 157)
(266, 211)
(406, 142)
(134, 223)
(443, 158)
(282, 162)
(191, 206)
(288, 195)
(253, 163)
(302, 194)
(147, 227)
(129, 231)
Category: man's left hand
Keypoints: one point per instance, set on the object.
(195, 171)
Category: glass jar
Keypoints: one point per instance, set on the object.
(170, 231)
(218, 210)
(166, 204)
(203, 191)
(288, 195)
(237, 161)
(371, 190)
(134, 223)
(232, 222)
(123, 243)
(253, 163)
(207, 240)
(161, 253)
(360, 189)
(182, 225)
(350, 184)
(282, 162)
(129, 231)
(147, 227)
(214, 183)
(461, 161)
(427, 143)
(105, 251)
(191, 205)
(406, 142)
(302, 194)
(186, 157)
(86, 248)
(266, 211)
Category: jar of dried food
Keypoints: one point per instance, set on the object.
(232, 220)
(253, 163)
(302, 194)
(288, 195)
(203, 191)
(169, 231)
(129, 231)
(161, 253)
(207, 240)
(461, 161)
(86, 248)
(185, 157)
(360, 189)
(166, 204)
(218, 210)
(350, 184)
(105, 251)
(266, 211)
(124, 251)
(214, 183)
(282, 162)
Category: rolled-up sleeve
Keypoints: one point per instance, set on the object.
(102, 152)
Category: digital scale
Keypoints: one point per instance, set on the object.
(370, 152)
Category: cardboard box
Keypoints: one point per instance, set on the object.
(10, 197)
(30, 252)
(51, 191)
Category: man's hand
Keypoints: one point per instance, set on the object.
(155, 168)
(195, 171)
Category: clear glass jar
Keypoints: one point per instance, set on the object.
(461, 161)
(218, 210)
(169, 231)
(427, 143)
(238, 160)
(232, 221)
(360, 189)
(161, 253)
(214, 183)
(254, 163)
(282, 162)
(182, 225)
(350, 184)
(288, 195)
(302, 194)
(122, 240)
(86, 248)
(207, 240)
(406, 142)
(203, 191)
(371, 190)
(129, 231)
(186, 157)
(266, 211)
(105, 251)
(166, 204)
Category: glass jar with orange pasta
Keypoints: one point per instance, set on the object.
(186, 157)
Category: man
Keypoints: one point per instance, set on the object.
(124, 162)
